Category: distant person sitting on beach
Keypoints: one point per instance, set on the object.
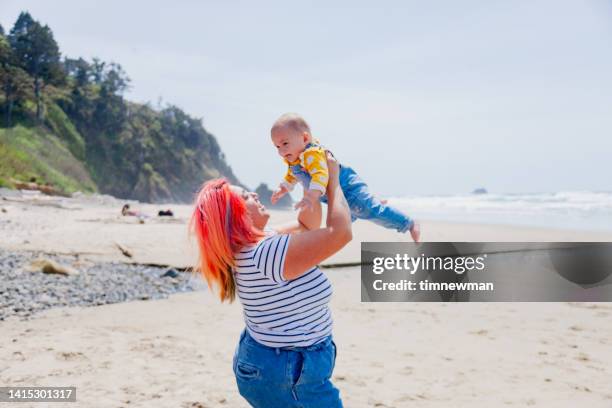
(286, 355)
(306, 164)
(125, 211)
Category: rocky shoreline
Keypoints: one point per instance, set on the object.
(26, 290)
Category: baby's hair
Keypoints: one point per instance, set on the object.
(291, 121)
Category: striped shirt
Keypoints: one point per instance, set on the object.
(280, 312)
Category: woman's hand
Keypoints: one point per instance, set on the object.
(332, 167)
(308, 201)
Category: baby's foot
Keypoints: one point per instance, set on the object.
(415, 231)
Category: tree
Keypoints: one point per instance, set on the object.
(1, 30)
(110, 111)
(115, 79)
(79, 69)
(23, 24)
(97, 70)
(80, 105)
(37, 53)
(14, 81)
(5, 51)
(17, 87)
(184, 128)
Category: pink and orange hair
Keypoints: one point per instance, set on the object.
(222, 226)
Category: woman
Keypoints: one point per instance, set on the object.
(286, 355)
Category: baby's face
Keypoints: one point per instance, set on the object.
(289, 143)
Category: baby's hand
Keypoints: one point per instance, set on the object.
(278, 194)
(308, 201)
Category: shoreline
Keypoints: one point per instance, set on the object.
(92, 227)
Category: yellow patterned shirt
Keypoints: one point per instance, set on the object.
(310, 169)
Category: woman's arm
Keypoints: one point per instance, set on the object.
(309, 248)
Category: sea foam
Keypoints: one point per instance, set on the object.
(584, 210)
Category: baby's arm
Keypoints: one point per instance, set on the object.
(315, 164)
(284, 187)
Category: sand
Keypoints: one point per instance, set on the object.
(177, 352)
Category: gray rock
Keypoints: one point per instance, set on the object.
(170, 273)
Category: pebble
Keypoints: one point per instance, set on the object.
(170, 273)
(24, 293)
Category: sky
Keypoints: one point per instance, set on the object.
(420, 98)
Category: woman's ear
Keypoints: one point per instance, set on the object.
(306, 137)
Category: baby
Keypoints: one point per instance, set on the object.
(307, 164)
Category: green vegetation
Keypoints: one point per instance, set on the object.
(34, 154)
(65, 122)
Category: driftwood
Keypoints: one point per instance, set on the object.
(45, 189)
(51, 267)
(39, 202)
(125, 251)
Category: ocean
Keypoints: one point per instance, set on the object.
(577, 210)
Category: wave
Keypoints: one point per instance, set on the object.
(566, 209)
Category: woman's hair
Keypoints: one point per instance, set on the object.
(222, 226)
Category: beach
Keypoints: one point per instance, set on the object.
(92, 226)
(176, 350)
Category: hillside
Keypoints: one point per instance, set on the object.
(65, 123)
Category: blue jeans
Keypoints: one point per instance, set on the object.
(366, 206)
(297, 377)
